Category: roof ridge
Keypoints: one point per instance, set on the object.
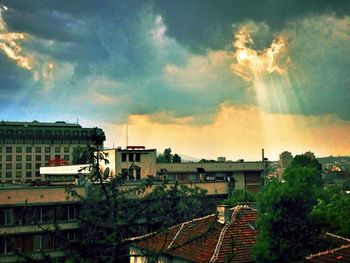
(235, 209)
(340, 237)
(182, 225)
(327, 251)
(192, 220)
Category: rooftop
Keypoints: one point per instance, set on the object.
(41, 124)
(206, 240)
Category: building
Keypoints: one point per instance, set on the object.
(133, 163)
(228, 237)
(239, 175)
(285, 159)
(29, 216)
(26, 146)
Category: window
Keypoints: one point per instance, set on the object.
(123, 157)
(18, 174)
(19, 158)
(47, 157)
(29, 174)
(0, 149)
(9, 149)
(37, 174)
(8, 174)
(28, 158)
(38, 149)
(138, 157)
(37, 157)
(28, 149)
(48, 214)
(124, 173)
(28, 165)
(57, 149)
(18, 149)
(9, 166)
(18, 166)
(29, 132)
(9, 158)
(37, 166)
(131, 157)
(47, 149)
(66, 149)
(138, 173)
(6, 216)
(66, 157)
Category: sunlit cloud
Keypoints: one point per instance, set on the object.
(10, 45)
(251, 63)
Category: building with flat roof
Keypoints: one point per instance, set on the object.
(26, 146)
(133, 163)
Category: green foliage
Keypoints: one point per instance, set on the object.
(333, 211)
(207, 161)
(286, 226)
(176, 158)
(106, 223)
(240, 196)
(168, 157)
(81, 155)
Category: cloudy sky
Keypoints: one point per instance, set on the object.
(206, 78)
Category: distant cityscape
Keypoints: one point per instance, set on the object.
(39, 160)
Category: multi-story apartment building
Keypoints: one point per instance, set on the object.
(29, 217)
(25, 146)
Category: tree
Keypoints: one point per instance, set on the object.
(332, 211)
(81, 155)
(176, 158)
(168, 156)
(287, 230)
(112, 212)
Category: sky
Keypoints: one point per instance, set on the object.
(205, 78)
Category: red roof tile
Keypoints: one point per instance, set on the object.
(206, 240)
(340, 254)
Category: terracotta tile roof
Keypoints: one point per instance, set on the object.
(206, 240)
(340, 254)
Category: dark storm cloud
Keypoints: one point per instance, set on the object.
(112, 41)
(207, 24)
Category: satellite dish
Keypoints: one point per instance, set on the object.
(106, 173)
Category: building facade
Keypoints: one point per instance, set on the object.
(26, 146)
(29, 217)
(133, 163)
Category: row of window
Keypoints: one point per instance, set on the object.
(35, 242)
(19, 174)
(19, 158)
(38, 149)
(133, 157)
(42, 132)
(37, 214)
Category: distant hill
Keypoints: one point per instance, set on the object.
(187, 159)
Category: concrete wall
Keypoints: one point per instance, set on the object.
(147, 162)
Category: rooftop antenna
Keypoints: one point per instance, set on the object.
(127, 135)
(77, 120)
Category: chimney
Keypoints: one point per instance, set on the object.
(224, 213)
